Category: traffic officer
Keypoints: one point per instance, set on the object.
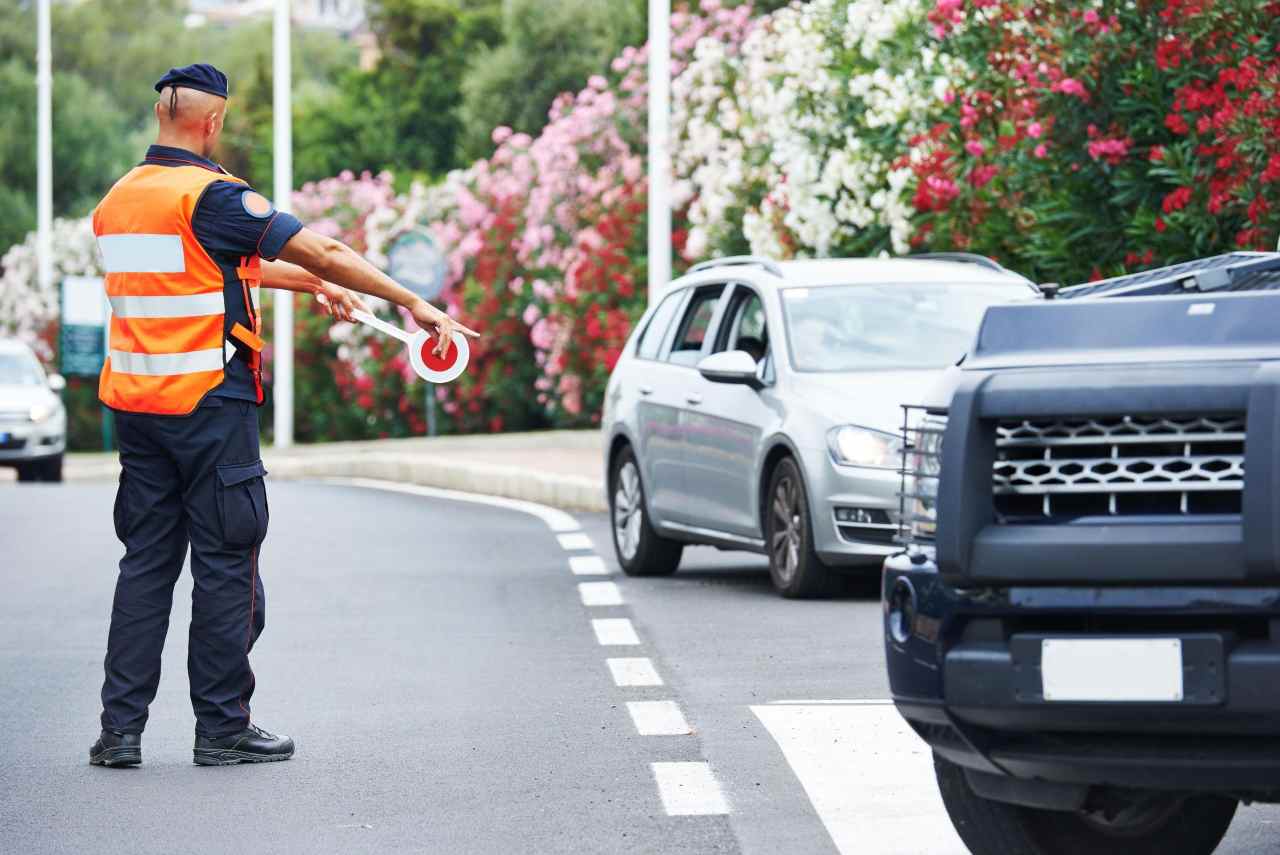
(185, 247)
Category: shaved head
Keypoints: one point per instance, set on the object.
(190, 119)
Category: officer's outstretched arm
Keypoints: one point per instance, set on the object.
(334, 261)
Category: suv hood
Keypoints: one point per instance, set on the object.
(1129, 330)
(872, 399)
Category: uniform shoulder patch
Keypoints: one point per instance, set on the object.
(255, 204)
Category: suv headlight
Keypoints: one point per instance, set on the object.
(925, 469)
(851, 445)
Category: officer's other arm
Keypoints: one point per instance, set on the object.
(334, 261)
(337, 301)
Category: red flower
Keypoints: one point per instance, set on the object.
(1177, 200)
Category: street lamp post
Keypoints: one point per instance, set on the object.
(44, 148)
(282, 155)
(659, 145)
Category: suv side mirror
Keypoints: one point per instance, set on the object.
(57, 383)
(731, 366)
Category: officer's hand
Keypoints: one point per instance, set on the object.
(432, 319)
(339, 302)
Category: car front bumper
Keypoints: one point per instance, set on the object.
(27, 441)
(955, 676)
(871, 493)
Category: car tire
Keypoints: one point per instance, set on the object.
(794, 566)
(51, 469)
(28, 472)
(641, 551)
(1190, 825)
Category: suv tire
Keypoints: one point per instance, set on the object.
(51, 468)
(641, 551)
(1193, 825)
(794, 566)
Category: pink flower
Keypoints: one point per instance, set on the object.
(1071, 86)
(1042, 151)
(501, 134)
(1034, 130)
(1112, 151)
(1091, 17)
(982, 176)
(975, 148)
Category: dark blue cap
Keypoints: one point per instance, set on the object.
(200, 76)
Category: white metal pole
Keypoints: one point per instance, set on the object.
(282, 155)
(659, 145)
(44, 148)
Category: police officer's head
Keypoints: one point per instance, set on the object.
(192, 106)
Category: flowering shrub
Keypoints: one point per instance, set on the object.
(1090, 139)
(548, 245)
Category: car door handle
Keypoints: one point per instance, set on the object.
(645, 390)
(693, 399)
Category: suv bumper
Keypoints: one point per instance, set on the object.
(955, 678)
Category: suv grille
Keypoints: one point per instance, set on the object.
(1118, 465)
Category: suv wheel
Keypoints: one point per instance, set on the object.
(51, 468)
(1159, 825)
(795, 568)
(641, 551)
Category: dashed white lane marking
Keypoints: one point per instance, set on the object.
(615, 631)
(634, 671)
(588, 565)
(689, 789)
(658, 718)
(870, 778)
(557, 520)
(600, 593)
(574, 540)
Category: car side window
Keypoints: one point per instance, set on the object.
(691, 335)
(746, 329)
(656, 330)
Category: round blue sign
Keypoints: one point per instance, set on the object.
(416, 261)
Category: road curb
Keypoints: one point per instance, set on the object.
(566, 492)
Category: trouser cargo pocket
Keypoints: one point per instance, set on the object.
(242, 503)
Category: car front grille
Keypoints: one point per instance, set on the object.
(1062, 468)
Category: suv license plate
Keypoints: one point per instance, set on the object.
(1132, 670)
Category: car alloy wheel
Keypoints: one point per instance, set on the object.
(786, 540)
(628, 510)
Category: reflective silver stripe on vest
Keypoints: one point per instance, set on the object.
(166, 364)
(189, 306)
(142, 254)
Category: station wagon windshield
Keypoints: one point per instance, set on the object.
(884, 327)
(17, 369)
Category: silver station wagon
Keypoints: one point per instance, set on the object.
(756, 407)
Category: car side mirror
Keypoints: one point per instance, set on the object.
(57, 383)
(731, 366)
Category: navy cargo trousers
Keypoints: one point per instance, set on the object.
(188, 480)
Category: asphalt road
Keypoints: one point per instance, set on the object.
(463, 678)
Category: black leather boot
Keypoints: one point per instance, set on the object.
(116, 749)
(251, 745)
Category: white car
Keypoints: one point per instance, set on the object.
(33, 422)
(756, 407)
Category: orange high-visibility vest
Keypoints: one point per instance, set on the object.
(167, 346)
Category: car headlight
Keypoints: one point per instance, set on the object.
(925, 465)
(858, 446)
(40, 412)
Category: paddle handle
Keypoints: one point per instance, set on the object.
(382, 326)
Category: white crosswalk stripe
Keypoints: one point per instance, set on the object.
(658, 718)
(600, 593)
(869, 777)
(634, 671)
(588, 565)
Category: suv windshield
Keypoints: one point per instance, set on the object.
(18, 369)
(891, 326)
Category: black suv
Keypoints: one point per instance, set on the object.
(1085, 623)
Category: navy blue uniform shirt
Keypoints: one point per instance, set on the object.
(228, 230)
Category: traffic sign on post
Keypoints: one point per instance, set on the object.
(416, 261)
(82, 331)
